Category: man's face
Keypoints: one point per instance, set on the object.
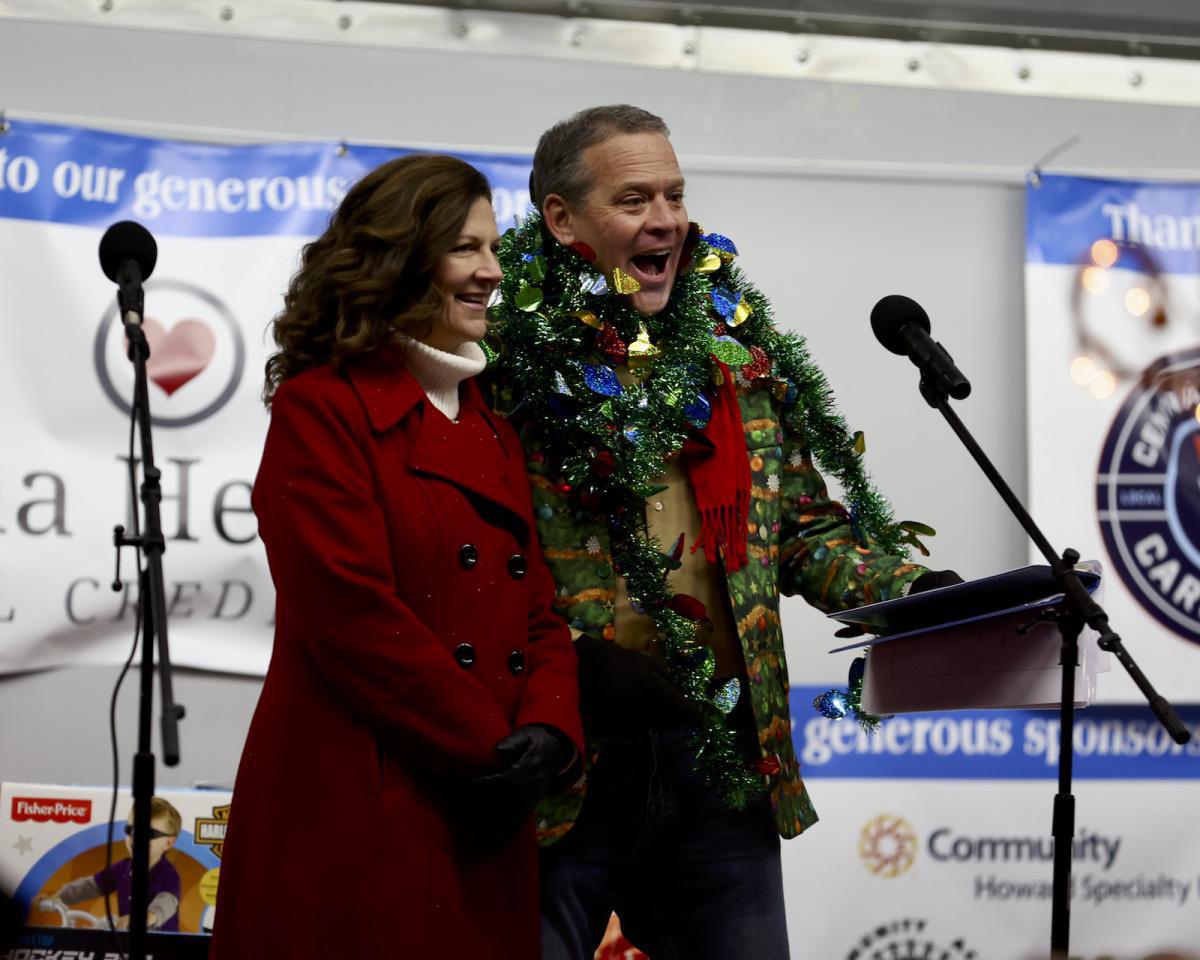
(633, 217)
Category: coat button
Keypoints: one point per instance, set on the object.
(464, 653)
(468, 555)
(516, 663)
(516, 566)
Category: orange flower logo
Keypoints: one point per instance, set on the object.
(887, 845)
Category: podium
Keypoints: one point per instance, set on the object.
(985, 644)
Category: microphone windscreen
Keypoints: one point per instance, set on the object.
(127, 240)
(891, 315)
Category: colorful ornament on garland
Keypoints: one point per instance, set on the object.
(586, 316)
(529, 298)
(610, 344)
(642, 354)
(623, 283)
(759, 365)
(604, 464)
(686, 605)
(674, 556)
(601, 379)
(837, 704)
(722, 245)
(731, 353)
(584, 250)
(699, 411)
(732, 306)
(727, 695)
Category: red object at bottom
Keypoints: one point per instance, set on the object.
(614, 946)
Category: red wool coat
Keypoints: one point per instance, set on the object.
(413, 631)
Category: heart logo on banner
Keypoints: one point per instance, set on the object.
(178, 355)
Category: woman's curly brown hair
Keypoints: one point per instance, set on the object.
(368, 277)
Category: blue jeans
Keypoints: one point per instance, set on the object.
(689, 878)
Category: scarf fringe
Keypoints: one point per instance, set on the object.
(723, 528)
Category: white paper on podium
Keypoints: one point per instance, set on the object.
(1001, 659)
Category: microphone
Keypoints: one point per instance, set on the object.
(127, 257)
(902, 326)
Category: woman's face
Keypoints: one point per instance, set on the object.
(467, 276)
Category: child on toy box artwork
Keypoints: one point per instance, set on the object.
(165, 887)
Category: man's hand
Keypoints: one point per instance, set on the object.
(624, 691)
(933, 579)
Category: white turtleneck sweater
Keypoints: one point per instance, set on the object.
(439, 373)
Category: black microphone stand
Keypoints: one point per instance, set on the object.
(1078, 609)
(153, 611)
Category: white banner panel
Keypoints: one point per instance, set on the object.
(1113, 343)
(230, 221)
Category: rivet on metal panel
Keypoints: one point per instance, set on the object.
(1135, 79)
(914, 64)
(1024, 73)
(577, 38)
(461, 30)
(106, 6)
(341, 149)
(690, 47)
(226, 13)
(344, 22)
(802, 55)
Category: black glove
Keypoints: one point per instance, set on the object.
(495, 806)
(624, 691)
(932, 579)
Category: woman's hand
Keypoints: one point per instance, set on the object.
(533, 758)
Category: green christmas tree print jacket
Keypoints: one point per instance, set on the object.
(800, 541)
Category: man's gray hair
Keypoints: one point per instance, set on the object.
(558, 164)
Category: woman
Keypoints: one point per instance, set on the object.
(421, 695)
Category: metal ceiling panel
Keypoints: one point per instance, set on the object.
(1158, 28)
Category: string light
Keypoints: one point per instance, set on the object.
(1104, 253)
(1137, 301)
(1095, 280)
(1102, 385)
(1083, 369)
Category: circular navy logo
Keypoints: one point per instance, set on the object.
(197, 354)
(1148, 492)
(908, 939)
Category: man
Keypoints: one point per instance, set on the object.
(670, 432)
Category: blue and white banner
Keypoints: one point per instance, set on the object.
(1111, 742)
(1112, 328)
(1113, 345)
(68, 175)
(230, 222)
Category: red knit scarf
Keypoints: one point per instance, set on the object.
(719, 473)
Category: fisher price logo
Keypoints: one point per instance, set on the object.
(197, 354)
(1148, 492)
(51, 810)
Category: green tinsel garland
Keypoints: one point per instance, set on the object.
(551, 370)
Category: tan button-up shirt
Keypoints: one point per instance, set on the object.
(668, 514)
